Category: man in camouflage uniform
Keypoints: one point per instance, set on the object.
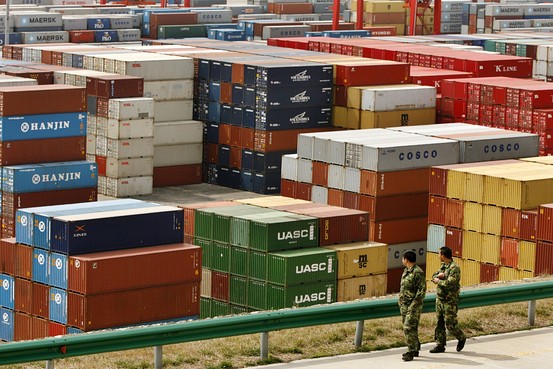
(448, 281)
(411, 296)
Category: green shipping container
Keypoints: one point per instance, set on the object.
(181, 31)
(238, 290)
(220, 257)
(279, 297)
(207, 251)
(240, 225)
(258, 265)
(257, 294)
(287, 268)
(205, 224)
(239, 258)
(219, 308)
(237, 310)
(291, 231)
(205, 307)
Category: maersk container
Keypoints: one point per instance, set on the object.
(45, 37)
(238, 290)
(240, 225)
(41, 261)
(85, 233)
(257, 294)
(208, 228)
(28, 127)
(37, 19)
(57, 270)
(239, 261)
(50, 176)
(286, 232)
(6, 325)
(7, 292)
(302, 266)
(280, 297)
(57, 309)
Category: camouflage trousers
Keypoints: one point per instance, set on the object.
(446, 312)
(410, 317)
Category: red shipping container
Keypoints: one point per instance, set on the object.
(481, 65)
(23, 297)
(118, 86)
(433, 76)
(224, 134)
(352, 200)
(303, 191)
(542, 120)
(288, 188)
(269, 141)
(7, 255)
(498, 116)
(22, 326)
(28, 100)
(102, 107)
(371, 72)
(116, 309)
(489, 273)
(220, 286)
(46, 150)
(340, 95)
(395, 182)
(177, 175)
(102, 164)
(235, 157)
(23, 261)
(162, 19)
(190, 212)
(335, 197)
(454, 240)
(247, 138)
(41, 300)
(39, 328)
(211, 151)
(136, 268)
(436, 209)
(398, 230)
(454, 211)
(393, 280)
(235, 136)
(56, 329)
(545, 223)
(544, 258)
(393, 207)
(320, 174)
(226, 92)
(510, 222)
(509, 252)
(84, 36)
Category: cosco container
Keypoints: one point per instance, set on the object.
(79, 234)
(101, 272)
(302, 266)
(360, 259)
(50, 176)
(29, 127)
(284, 232)
(279, 297)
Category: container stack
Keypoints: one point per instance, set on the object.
(62, 279)
(43, 149)
(381, 14)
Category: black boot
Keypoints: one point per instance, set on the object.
(408, 356)
(438, 349)
(461, 344)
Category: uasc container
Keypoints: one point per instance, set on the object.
(301, 266)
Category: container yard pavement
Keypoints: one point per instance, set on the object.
(518, 350)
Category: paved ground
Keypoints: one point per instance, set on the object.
(519, 350)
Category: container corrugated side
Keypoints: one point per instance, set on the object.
(41, 297)
(472, 216)
(301, 266)
(491, 219)
(240, 224)
(204, 219)
(239, 261)
(360, 259)
(190, 212)
(257, 294)
(435, 237)
(220, 257)
(279, 297)
(527, 256)
(23, 261)
(238, 290)
(23, 295)
(205, 285)
(7, 255)
(350, 289)
(220, 286)
(470, 272)
(285, 232)
(491, 249)
(510, 223)
(472, 245)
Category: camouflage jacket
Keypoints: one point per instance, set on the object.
(450, 285)
(413, 286)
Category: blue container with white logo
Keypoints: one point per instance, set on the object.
(237, 116)
(347, 34)
(246, 180)
(106, 36)
(6, 325)
(15, 38)
(58, 270)
(226, 114)
(224, 155)
(40, 265)
(7, 291)
(49, 176)
(31, 127)
(230, 35)
(58, 305)
(249, 118)
(117, 230)
(98, 23)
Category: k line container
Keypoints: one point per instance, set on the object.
(350, 289)
(91, 312)
(79, 234)
(301, 266)
(279, 297)
(360, 259)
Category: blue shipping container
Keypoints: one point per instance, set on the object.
(7, 291)
(106, 36)
(226, 114)
(116, 230)
(30, 127)
(294, 118)
(247, 159)
(224, 155)
(50, 176)
(58, 270)
(347, 34)
(215, 70)
(15, 38)
(6, 327)
(214, 112)
(249, 118)
(237, 94)
(246, 180)
(98, 23)
(214, 91)
(40, 266)
(237, 116)
(58, 305)
(230, 35)
(264, 161)
(267, 182)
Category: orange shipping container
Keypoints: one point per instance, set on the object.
(509, 252)
(436, 209)
(320, 173)
(395, 182)
(335, 197)
(398, 230)
(393, 207)
(489, 273)
(454, 210)
(510, 223)
(529, 225)
(288, 188)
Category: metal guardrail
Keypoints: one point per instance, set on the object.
(260, 322)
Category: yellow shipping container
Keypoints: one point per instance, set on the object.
(472, 245)
(528, 191)
(491, 247)
(339, 116)
(360, 258)
(470, 273)
(456, 184)
(474, 187)
(354, 118)
(509, 274)
(432, 264)
(205, 286)
(379, 6)
(527, 256)
(384, 119)
(354, 96)
(361, 287)
(526, 274)
(271, 201)
(472, 216)
(491, 219)
(400, 27)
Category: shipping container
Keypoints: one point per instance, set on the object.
(279, 297)
(394, 182)
(23, 297)
(7, 325)
(257, 294)
(350, 289)
(395, 253)
(527, 256)
(302, 266)
(284, 232)
(238, 291)
(61, 99)
(7, 256)
(220, 286)
(398, 230)
(46, 150)
(41, 126)
(360, 259)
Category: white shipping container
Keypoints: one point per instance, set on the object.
(503, 10)
(395, 253)
(121, 21)
(133, 167)
(352, 180)
(131, 186)
(91, 144)
(179, 132)
(535, 10)
(169, 155)
(173, 110)
(152, 66)
(284, 31)
(91, 120)
(499, 24)
(6, 81)
(300, 17)
(131, 108)
(289, 167)
(305, 170)
(398, 97)
(127, 35)
(336, 175)
(213, 16)
(31, 19)
(73, 22)
(130, 148)
(319, 194)
(44, 37)
(130, 128)
(180, 89)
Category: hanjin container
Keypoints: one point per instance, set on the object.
(55, 125)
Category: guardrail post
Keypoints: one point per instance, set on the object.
(158, 357)
(49, 364)
(358, 341)
(531, 312)
(264, 349)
